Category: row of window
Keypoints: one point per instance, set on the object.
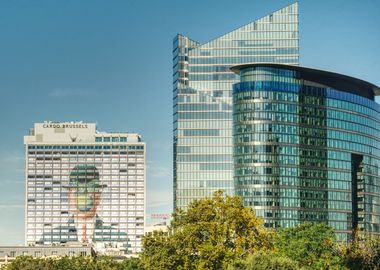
(328, 96)
(195, 62)
(204, 166)
(82, 147)
(205, 176)
(283, 160)
(203, 150)
(57, 215)
(358, 143)
(111, 139)
(204, 107)
(37, 254)
(242, 183)
(74, 154)
(206, 141)
(263, 38)
(98, 160)
(306, 109)
(183, 124)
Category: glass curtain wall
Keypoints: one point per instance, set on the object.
(306, 152)
(202, 98)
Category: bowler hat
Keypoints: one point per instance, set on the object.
(85, 176)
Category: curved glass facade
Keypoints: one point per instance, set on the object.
(304, 151)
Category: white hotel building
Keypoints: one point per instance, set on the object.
(84, 186)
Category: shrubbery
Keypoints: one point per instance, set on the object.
(72, 263)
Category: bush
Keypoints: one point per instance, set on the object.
(266, 261)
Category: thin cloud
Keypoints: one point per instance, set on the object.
(12, 171)
(12, 158)
(15, 181)
(159, 198)
(11, 162)
(162, 146)
(11, 206)
(157, 171)
(62, 93)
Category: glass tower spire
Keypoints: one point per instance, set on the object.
(202, 98)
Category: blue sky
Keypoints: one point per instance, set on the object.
(110, 62)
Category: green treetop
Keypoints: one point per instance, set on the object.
(211, 234)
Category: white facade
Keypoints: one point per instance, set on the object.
(10, 253)
(156, 227)
(84, 186)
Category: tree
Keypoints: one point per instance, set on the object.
(362, 253)
(211, 234)
(160, 251)
(131, 264)
(265, 261)
(23, 262)
(73, 263)
(311, 245)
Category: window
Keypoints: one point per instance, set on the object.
(106, 139)
(12, 254)
(98, 139)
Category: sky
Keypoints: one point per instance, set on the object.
(110, 62)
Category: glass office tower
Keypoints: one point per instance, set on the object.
(307, 147)
(202, 97)
(84, 186)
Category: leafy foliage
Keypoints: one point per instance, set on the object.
(361, 254)
(211, 234)
(264, 261)
(311, 245)
(72, 263)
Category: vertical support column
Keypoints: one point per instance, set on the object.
(356, 160)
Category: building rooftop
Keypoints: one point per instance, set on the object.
(331, 79)
(75, 132)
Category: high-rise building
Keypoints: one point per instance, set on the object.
(202, 96)
(307, 147)
(84, 186)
